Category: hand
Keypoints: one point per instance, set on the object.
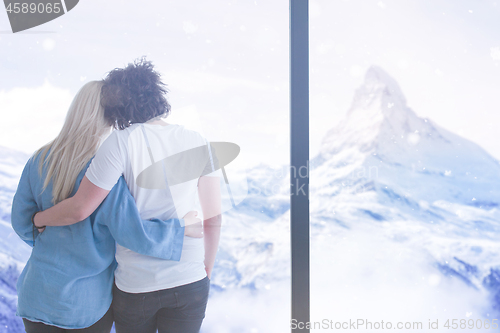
(193, 227)
(33, 218)
(209, 272)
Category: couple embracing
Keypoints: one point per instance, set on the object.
(114, 230)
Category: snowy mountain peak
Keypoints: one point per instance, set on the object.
(378, 93)
(379, 120)
(378, 81)
(378, 112)
(382, 132)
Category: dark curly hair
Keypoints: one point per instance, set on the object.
(134, 94)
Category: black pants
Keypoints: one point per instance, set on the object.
(175, 310)
(102, 326)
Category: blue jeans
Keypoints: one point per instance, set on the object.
(175, 310)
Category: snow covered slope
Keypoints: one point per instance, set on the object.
(13, 252)
(414, 198)
(405, 221)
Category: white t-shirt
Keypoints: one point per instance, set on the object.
(161, 165)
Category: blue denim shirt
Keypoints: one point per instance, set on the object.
(67, 281)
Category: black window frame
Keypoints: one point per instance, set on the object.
(299, 158)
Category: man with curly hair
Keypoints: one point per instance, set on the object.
(166, 168)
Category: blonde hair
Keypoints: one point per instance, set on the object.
(77, 142)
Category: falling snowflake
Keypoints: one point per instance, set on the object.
(413, 138)
(434, 280)
(495, 53)
(356, 71)
(189, 27)
(48, 44)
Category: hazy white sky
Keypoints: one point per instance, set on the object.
(227, 63)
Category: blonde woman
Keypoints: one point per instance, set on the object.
(67, 282)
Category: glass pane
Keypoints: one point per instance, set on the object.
(405, 178)
(226, 66)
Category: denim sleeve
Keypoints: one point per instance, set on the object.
(23, 207)
(156, 238)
